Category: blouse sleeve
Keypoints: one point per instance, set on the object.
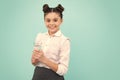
(64, 58)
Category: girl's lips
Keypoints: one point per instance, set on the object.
(51, 27)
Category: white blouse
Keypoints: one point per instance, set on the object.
(56, 49)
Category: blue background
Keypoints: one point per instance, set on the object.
(92, 25)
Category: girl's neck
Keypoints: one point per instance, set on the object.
(52, 33)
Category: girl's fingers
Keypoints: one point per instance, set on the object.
(38, 51)
(37, 54)
(35, 51)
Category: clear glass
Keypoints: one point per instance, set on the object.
(38, 46)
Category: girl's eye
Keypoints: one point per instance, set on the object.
(48, 20)
(55, 20)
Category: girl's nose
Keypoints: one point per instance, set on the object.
(51, 23)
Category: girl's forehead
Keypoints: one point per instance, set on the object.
(52, 14)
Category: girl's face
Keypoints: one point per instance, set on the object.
(52, 22)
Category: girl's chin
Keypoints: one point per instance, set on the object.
(52, 30)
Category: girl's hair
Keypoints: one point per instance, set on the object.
(59, 9)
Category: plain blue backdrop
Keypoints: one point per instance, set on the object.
(93, 27)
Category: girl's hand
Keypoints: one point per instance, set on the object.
(38, 55)
(34, 61)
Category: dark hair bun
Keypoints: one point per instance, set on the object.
(45, 8)
(60, 8)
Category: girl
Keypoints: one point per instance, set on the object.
(51, 52)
